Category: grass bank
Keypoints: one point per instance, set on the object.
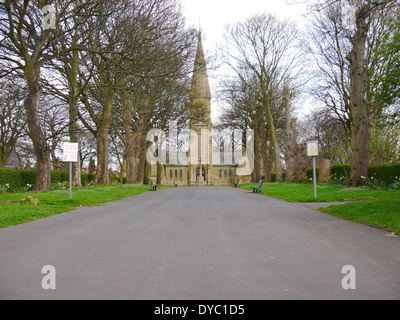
(56, 202)
(383, 211)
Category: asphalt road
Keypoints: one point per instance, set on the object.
(212, 243)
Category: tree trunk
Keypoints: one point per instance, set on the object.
(74, 137)
(141, 168)
(42, 152)
(289, 156)
(301, 162)
(102, 176)
(131, 162)
(275, 143)
(146, 175)
(159, 173)
(140, 143)
(324, 170)
(73, 119)
(361, 125)
(264, 151)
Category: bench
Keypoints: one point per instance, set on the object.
(154, 186)
(256, 189)
(236, 183)
(175, 184)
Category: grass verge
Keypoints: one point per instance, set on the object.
(383, 211)
(56, 202)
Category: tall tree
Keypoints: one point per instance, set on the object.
(12, 116)
(269, 48)
(70, 49)
(387, 58)
(26, 39)
(364, 12)
(290, 125)
(156, 88)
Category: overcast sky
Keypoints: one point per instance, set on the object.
(213, 15)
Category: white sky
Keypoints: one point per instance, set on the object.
(213, 16)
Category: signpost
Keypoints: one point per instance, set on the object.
(70, 155)
(312, 151)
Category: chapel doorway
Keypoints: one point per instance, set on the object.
(201, 174)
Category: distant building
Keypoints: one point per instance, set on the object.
(201, 169)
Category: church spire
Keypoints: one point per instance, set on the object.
(200, 85)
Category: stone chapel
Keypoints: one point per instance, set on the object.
(206, 170)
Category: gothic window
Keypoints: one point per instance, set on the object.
(230, 173)
(176, 174)
(220, 173)
(225, 173)
(181, 174)
(170, 173)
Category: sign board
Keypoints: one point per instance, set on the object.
(70, 152)
(312, 149)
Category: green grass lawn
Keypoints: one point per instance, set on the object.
(55, 202)
(325, 193)
(382, 211)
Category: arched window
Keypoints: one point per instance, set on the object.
(225, 173)
(176, 174)
(220, 173)
(170, 173)
(181, 174)
(230, 173)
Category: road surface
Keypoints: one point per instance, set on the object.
(198, 243)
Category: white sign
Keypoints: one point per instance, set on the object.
(70, 152)
(312, 149)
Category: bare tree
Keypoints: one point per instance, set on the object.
(269, 48)
(25, 41)
(12, 116)
(156, 90)
(290, 125)
(358, 55)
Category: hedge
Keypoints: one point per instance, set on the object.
(341, 170)
(21, 178)
(385, 172)
(310, 173)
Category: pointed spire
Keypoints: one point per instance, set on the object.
(200, 84)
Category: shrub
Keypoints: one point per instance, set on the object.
(11, 178)
(59, 177)
(113, 179)
(3, 189)
(387, 173)
(23, 180)
(386, 176)
(310, 173)
(341, 170)
(87, 178)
